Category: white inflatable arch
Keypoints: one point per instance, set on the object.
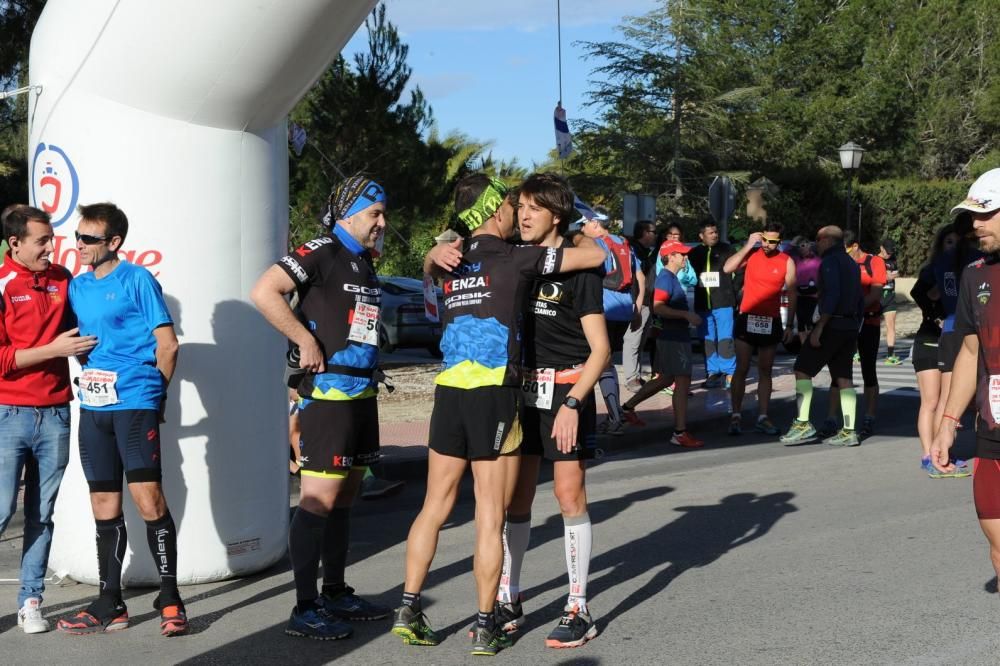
(176, 112)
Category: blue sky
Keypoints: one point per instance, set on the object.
(489, 69)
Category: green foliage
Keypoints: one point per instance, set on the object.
(909, 212)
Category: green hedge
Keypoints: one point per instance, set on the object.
(909, 212)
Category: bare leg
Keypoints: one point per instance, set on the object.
(943, 400)
(765, 363)
(929, 383)
(680, 401)
(494, 486)
(737, 389)
(443, 476)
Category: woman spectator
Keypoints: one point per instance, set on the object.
(807, 279)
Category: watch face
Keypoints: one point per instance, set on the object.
(572, 403)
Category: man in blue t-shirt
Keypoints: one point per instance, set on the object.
(122, 392)
(673, 348)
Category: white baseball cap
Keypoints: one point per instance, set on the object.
(984, 195)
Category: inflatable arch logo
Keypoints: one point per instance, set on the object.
(55, 186)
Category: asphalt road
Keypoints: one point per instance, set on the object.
(746, 552)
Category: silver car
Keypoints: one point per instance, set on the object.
(403, 322)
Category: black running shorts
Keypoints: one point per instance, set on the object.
(475, 424)
(924, 353)
(338, 435)
(116, 442)
(673, 358)
(836, 351)
(755, 336)
(948, 346)
(538, 429)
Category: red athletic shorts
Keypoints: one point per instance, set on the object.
(986, 488)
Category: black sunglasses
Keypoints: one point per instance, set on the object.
(87, 239)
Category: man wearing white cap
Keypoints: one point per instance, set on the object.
(977, 366)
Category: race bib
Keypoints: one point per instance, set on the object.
(364, 326)
(710, 279)
(538, 386)
(759, 324)
(430, 300)
(995, 398)
(97, 388)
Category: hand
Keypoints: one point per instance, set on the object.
(789, 334)
(447, 256)
(70, 344)
(311, 356)
(564, 429)
(815, 335)
(636, 323)
(756, 238)
(694, 319)
(943, 439)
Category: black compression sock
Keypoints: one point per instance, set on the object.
(412, 599)
(891, 351)
(111, 541)
(161, 535)
(485, 620)
(336, 538)
(305, 544)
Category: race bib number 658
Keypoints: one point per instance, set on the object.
(97, 387)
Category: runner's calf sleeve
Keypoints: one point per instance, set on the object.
(516, 534)
(305, 545)
(609, 389)
(112, 538)
(336, 539)
(161, 535)
(848, 405)
(803, 397)
(578, 541)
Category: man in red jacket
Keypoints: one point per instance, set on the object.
(36, 338)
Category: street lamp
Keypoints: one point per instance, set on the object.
(850, 161)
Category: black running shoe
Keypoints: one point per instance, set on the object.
(487, 642)
(509, 616)
(413, 628)
(574, 629)
(350, 607)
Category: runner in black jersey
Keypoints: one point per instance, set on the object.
(976, 372)
(566, 347)
(336, 332)
(477, 399)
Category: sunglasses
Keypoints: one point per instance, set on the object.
(771, 241)
(87, 239)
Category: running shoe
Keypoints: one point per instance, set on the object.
(413, 628)
(962, 469)
(509, 616)
(766, 426)
(735, 425)
(714, 381)
(798, 433)
(857, 357)
(352, 608)
(609, 427)
(686, 440)
(85, 622)
(173, 620)
(669, 390)
(829, 428)
(630, 417)
(633, 385)
(30, 618)
(844, 438)
(574, 629)
(932, 471)
(487, 642)
(317, 624)
(867, 426)
(893, 360)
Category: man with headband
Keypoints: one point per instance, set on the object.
(478, 394)
(336, 332)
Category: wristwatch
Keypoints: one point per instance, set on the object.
(572, 403)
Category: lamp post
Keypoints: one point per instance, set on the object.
(850, 161)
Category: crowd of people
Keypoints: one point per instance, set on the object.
(528, 332)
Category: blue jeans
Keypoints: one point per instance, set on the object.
(35, 439)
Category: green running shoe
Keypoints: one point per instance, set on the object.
(487, 642)
(893, 360)
(798, 433)
(413, 628)
(844, 438)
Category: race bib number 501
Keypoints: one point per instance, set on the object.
(97, 387)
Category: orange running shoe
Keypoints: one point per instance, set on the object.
(687, 440)
(173, 620)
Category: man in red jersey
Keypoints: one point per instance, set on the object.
(768, 271)
(36, 338)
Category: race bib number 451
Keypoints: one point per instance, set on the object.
(537, 387)
(97, 388)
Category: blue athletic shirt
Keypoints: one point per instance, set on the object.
(669, 290)
(122, 309)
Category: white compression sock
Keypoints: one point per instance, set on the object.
(578, 542)
(516, 533)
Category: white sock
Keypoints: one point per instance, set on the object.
(578, 542)
(516, 533)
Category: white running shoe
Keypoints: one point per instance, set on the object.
(30, 617)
